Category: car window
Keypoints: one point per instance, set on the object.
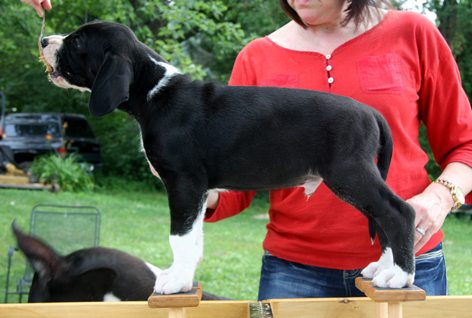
(32, 130)
(77, 128)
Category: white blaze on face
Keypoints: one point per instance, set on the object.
(49, 52)
(50, 55)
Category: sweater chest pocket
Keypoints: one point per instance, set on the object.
(381, 74)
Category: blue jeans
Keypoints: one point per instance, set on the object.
(284, 279)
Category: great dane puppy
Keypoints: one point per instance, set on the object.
(201, 137)
(89, 274)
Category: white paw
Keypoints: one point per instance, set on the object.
(375, 268)
(394, 277)
(174, 280)
(371, 269)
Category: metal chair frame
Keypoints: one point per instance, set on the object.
(23, 284)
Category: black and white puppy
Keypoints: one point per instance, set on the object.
(201, 137)
(91, 274)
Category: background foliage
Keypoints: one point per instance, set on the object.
(199, 37)
(69, 173)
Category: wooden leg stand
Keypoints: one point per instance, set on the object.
(389, 301)
(177, 302)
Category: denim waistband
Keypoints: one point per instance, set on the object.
(434, 253)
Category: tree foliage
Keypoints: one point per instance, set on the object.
(454, 23)
(200, 37)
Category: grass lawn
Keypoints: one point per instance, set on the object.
(457, 245)
(138, 223)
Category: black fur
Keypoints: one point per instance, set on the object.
(202, 136)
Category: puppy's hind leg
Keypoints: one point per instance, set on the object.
(367, 192)
(386, 260)
(186, 241)
(398, 225)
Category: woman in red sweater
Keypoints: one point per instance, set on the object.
(398, 63)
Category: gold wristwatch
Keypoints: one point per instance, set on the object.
(456, 191)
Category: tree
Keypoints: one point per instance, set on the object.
(454, 23)
(199, 37)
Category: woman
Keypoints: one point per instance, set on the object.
(398, 63)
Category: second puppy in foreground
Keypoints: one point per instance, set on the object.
(202, 137)
(90, 274)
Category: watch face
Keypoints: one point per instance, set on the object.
(459, 195)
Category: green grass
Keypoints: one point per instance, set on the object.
(457, 245)
(137, 222)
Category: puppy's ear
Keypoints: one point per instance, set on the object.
(111, 86)
(43, 259)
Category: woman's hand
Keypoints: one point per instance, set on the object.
(434, 204)
(213, 199)
(39, 5)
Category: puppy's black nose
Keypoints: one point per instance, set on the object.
(44, 42)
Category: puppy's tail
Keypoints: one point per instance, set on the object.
(385, 150)
(384, 157)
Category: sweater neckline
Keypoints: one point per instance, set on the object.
(345, 44)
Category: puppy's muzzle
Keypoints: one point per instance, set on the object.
(44, 42)
(49, 46)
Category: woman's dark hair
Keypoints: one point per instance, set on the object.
(356, 10)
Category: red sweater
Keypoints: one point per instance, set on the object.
(403, 68)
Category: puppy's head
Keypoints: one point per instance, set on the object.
(95, 58)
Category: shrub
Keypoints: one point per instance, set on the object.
(70, 173)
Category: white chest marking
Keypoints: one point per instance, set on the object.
(110, 297)
(170, 72)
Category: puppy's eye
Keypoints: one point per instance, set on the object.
(75, 43)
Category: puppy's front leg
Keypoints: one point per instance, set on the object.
(187, 249)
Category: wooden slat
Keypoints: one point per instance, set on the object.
(126, 309)
(378, 294)
(188, 299)
(324, 307)
(434, 306)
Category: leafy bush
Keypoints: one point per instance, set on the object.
(70, 174)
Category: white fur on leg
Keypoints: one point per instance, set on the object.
(385, 262)
(394, 277)
(188, 252)
(385, 273)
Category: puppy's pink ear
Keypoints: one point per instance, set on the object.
(111, 86)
